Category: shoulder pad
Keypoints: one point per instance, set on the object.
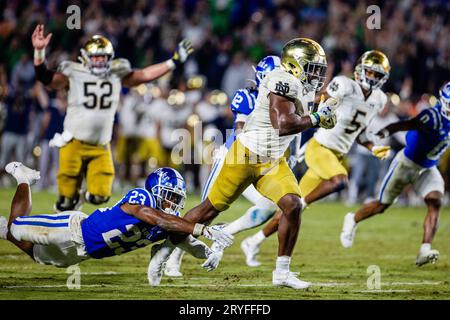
(139, 196)
(67, 67)
(283, 83)
(243, 102)
(339, 86)
(121, 67)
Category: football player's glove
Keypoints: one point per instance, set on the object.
(381, 152)
(183, 51)
(214, 257)
(325, 116)
(215, 233)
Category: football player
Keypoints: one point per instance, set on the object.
(94, 87)
(143, 216)
(242, 104)
(426, 141)
(257, 155)
(359, 102)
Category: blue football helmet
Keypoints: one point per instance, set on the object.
(264, 66)
(444, 98)
(169, 189)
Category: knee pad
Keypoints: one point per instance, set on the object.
(96, 200)
(65, 203)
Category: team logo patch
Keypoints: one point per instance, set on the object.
(282, 88)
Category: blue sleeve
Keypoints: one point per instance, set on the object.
(139, 196)
(243, 102)
(430, 118)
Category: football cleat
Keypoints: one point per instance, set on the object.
(348, 230)
(22, 173)
(288, 279)
(250, 251)
(429, 256)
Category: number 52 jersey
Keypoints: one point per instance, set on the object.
(93, 100)
(353, 115)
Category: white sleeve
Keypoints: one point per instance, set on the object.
(65, 67)
(283, 84)
(339, 87)
(121, 67)
(195, 247)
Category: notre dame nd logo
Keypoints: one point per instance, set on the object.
(282, 88)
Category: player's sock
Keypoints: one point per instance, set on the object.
(258, 238)
(22, 173)
(282, 264)
(254, 217)
(425, 247)
(3, 228)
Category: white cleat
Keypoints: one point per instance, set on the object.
(429, 256)
(348, 230)
(22, 173)
(159, 255)
(173, 272)
(250, 251)
(289, 279)
(3, 228)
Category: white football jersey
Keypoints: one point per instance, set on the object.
(92, 100)
(258, 135)
(353, 115)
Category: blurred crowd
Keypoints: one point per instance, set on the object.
(230, 36)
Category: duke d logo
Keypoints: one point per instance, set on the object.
(282, 88)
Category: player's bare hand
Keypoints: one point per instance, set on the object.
(38, 39)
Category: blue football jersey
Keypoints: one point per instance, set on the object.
(426, 147)
(243, 103)
(111, 231)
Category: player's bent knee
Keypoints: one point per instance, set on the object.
(340, 182)
(96, 200)
(290, 204)
(66, 203)
(434, 201)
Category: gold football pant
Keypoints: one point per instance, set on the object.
(272, 178)
(323, 164)
(77, 160)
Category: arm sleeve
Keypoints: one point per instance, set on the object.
(195, 247)
(339, 87)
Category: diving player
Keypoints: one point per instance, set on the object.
(359, 102)
(257, 155)
(242, 104)
(94, 87)
(427, 139)
(143, 216)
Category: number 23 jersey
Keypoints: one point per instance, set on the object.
(111, 231)
(353, 115)
(93, 100)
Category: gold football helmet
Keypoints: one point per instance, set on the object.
(372, 70)
(97, 46)
(305, 59)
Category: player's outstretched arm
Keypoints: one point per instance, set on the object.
(405, 125)
(176, 224)
(150, 73)
(283, 116)
(50, 78)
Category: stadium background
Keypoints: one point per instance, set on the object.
(229, 36)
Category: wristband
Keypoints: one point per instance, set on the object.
(315, 118)
(198, 229)
(39, 54)
(171, 64)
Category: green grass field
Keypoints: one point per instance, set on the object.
(390, 241)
